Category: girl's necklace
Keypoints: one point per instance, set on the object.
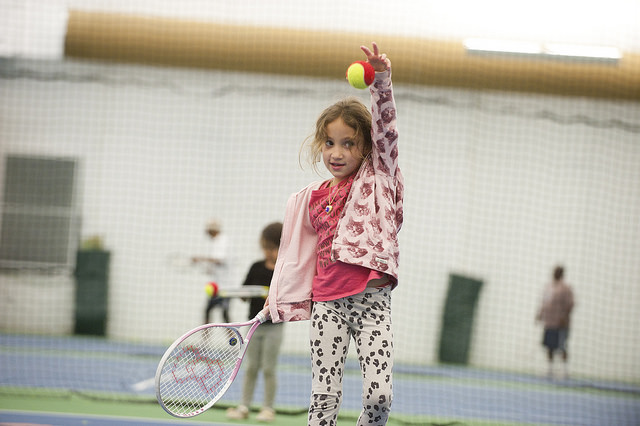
(332, 198)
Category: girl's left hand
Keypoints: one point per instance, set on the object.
(378, 61)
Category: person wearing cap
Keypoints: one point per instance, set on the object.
(216, 265)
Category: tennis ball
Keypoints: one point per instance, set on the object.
(360, 74)
(211, 289)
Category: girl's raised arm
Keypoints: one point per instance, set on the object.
(383, 111)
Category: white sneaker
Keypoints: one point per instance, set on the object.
(239, 413)
(550, 374)
(266, 415)
(565, 372)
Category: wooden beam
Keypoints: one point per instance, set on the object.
(172, 42)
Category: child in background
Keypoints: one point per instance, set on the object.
(338, 259)
(263, 351)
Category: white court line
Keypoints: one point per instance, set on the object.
(49, 417)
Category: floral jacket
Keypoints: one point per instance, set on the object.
(367, 232)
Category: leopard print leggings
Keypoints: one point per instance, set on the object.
(367, 318)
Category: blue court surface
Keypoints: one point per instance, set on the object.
(28, 418)
(67, 364)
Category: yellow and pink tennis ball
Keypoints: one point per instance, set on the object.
(360, 74)
(211, 289)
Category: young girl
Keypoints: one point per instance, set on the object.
(338, 257)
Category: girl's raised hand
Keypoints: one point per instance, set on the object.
(378, 61)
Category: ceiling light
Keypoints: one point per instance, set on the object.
(562, 51)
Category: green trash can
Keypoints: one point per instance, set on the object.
(457, 319)
(92, 282)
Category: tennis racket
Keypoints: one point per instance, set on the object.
(178, 261)
(245, 291)
(198, 368)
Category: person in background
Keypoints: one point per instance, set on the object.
(216, 267)
(555, 314)
(264, 349)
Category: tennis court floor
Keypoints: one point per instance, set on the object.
(50, 374)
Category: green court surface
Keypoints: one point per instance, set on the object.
(80, 405)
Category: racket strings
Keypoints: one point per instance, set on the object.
(198, 369)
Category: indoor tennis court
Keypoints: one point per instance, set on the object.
(81, 371)
(126, 126)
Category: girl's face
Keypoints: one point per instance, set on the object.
(341, 153)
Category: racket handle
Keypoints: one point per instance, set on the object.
(262, 316)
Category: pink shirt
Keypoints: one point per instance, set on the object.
(333, 279)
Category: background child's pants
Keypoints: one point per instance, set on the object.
(262, 354)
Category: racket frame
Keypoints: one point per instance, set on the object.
(248, 291)
(244, 341)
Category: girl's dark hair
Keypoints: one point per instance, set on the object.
(354, 113)
(271, 233)
(558, 273)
